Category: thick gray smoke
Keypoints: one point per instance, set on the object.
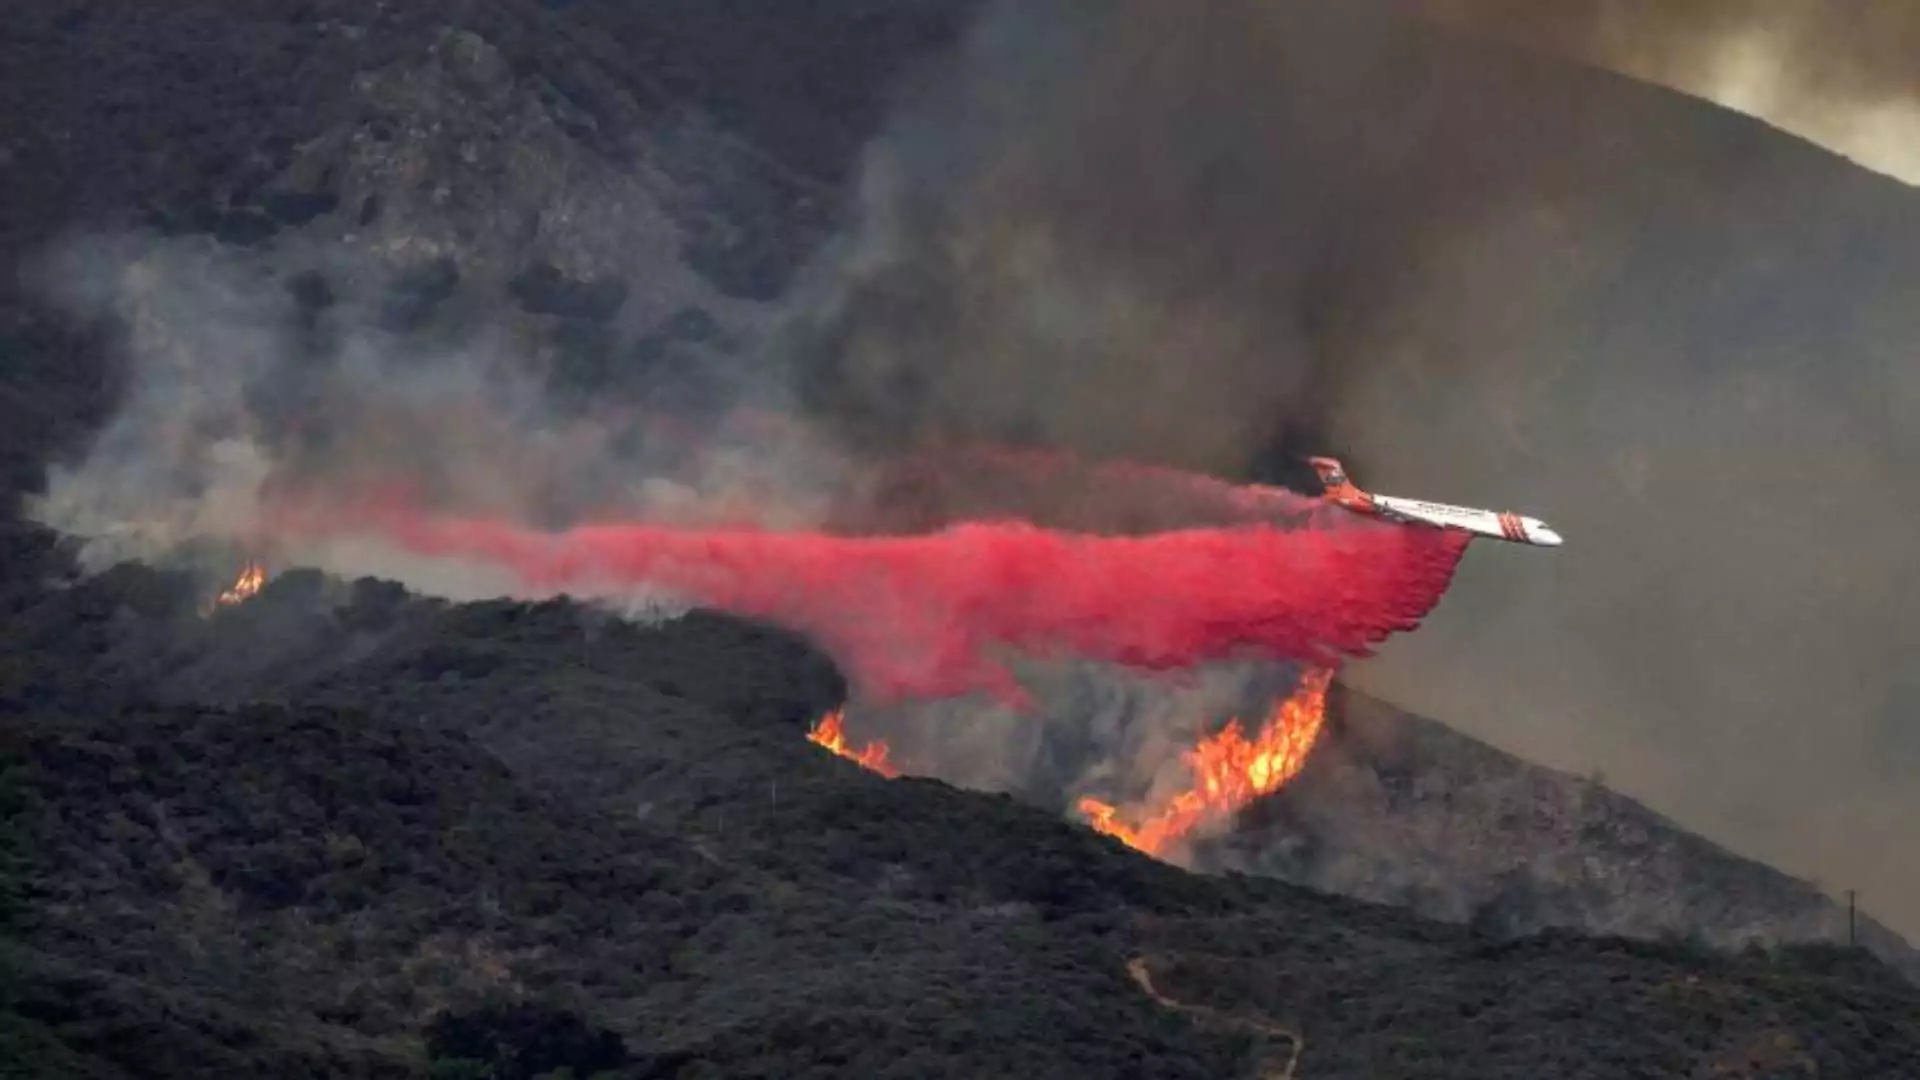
(522, 339)
(1098, 731)
(1179, 233)
(1037, 259)
(448, 296)
(1188, 233)
(238, 389)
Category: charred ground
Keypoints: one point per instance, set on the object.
(341, 830)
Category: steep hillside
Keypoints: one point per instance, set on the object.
(1391, 808)
(664, 856)
(1399, 809)
(344, 830)
(1483, 277)
(607, 184)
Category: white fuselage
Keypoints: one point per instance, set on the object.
(1521, 530)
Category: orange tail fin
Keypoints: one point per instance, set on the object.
(1340, 489)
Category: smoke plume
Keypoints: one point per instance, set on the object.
(1196, 234)
(272, 411)
(236, 389)
(1205, 237)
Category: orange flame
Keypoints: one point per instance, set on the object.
(251, 579)
(829, 732)
(1229, 771)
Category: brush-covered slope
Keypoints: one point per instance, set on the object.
(624, 830)
(440, 807)
(1401, 809)
(607, 183)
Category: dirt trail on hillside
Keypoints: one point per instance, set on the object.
(1137, 967)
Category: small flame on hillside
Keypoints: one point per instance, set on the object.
(830, 732)
(250, 581)
(1229, 771)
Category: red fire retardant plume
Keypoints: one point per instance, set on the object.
(932, 615)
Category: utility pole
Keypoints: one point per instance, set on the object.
(1850, 919)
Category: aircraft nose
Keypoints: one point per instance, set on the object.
(1538, 532)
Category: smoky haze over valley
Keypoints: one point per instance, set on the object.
(1194, 236)
(1209, 236)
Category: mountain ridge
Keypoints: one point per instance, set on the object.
(282, 854)
(1462, 831)
(637, 797)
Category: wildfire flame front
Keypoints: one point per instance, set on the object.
(830, 733)
(250, 581)
(1229, 771)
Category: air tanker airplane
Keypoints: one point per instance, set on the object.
(1500, 524)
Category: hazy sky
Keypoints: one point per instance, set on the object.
(1840, 73)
